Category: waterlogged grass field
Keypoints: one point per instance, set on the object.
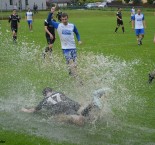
(105, 60)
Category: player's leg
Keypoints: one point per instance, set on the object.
(118, 24)
(141, 36)
(14, 34)
(49, 48)
(73, 62)
(151, 76)
(137, 35)
(30, 26)
(122, 26)
(70, 55)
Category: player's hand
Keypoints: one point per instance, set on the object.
(52, 9)
(79, 42)
(51, 36)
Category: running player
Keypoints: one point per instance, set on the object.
(119, 20)
(132, 13)
(14, 19)
(29, 18)
(56, 103)
(50, 37)
(66, 32)
(138, 23)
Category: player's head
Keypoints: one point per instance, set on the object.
(14, 11)
(119, 9)
(139, 11)
(53, 9)
(64, 18)
(29, 9)
(46, 91)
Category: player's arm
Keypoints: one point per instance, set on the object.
(9, 19)
(31, 110)
(118, 16)
(55, 24)
(77, 35)
(25, 16)
(144, 23)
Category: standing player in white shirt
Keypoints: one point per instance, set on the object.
(66, 32)
(132, 13)
(138, 23)
(29, 18)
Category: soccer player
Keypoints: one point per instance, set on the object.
(152, 74)
(119, 20)
(29, 18)
(14, 19)
(59, 15)
(138, 23)
(132, 13)
(50, 37)
(66, 32)
(56, 103)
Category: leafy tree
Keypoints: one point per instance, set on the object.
(150, 1)
(137, 1)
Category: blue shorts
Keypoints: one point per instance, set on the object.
(29, 22)
(132, 17)
(70, 54)
(139, 31)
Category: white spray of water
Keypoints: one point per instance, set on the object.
(96, 72)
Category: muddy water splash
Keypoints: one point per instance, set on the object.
(95, 70)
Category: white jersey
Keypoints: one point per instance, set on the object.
(132, 12)
(139, 21)
(66, 34)
(29, 15)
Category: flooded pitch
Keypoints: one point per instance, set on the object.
(96, 71)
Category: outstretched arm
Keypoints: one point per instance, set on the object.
(31, 110)
(55, 24)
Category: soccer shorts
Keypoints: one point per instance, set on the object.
(70, 54)
(119, 22)
(139, 31)
(49, 40)
(14, 29)
(132, 17)
(29, 22)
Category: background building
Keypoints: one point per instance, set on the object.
(22, 4)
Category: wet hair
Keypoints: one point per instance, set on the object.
(64, 15)
(46, 90)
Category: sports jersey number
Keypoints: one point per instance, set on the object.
(57, 99)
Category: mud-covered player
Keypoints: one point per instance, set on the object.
(57, 103)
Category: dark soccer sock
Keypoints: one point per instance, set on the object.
(46, 49)
(15, 37)
(116, 29)
(123, 29)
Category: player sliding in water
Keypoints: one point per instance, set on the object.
(59, 105)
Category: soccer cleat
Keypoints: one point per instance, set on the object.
(150, 79)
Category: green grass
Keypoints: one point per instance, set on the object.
(20, 73)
